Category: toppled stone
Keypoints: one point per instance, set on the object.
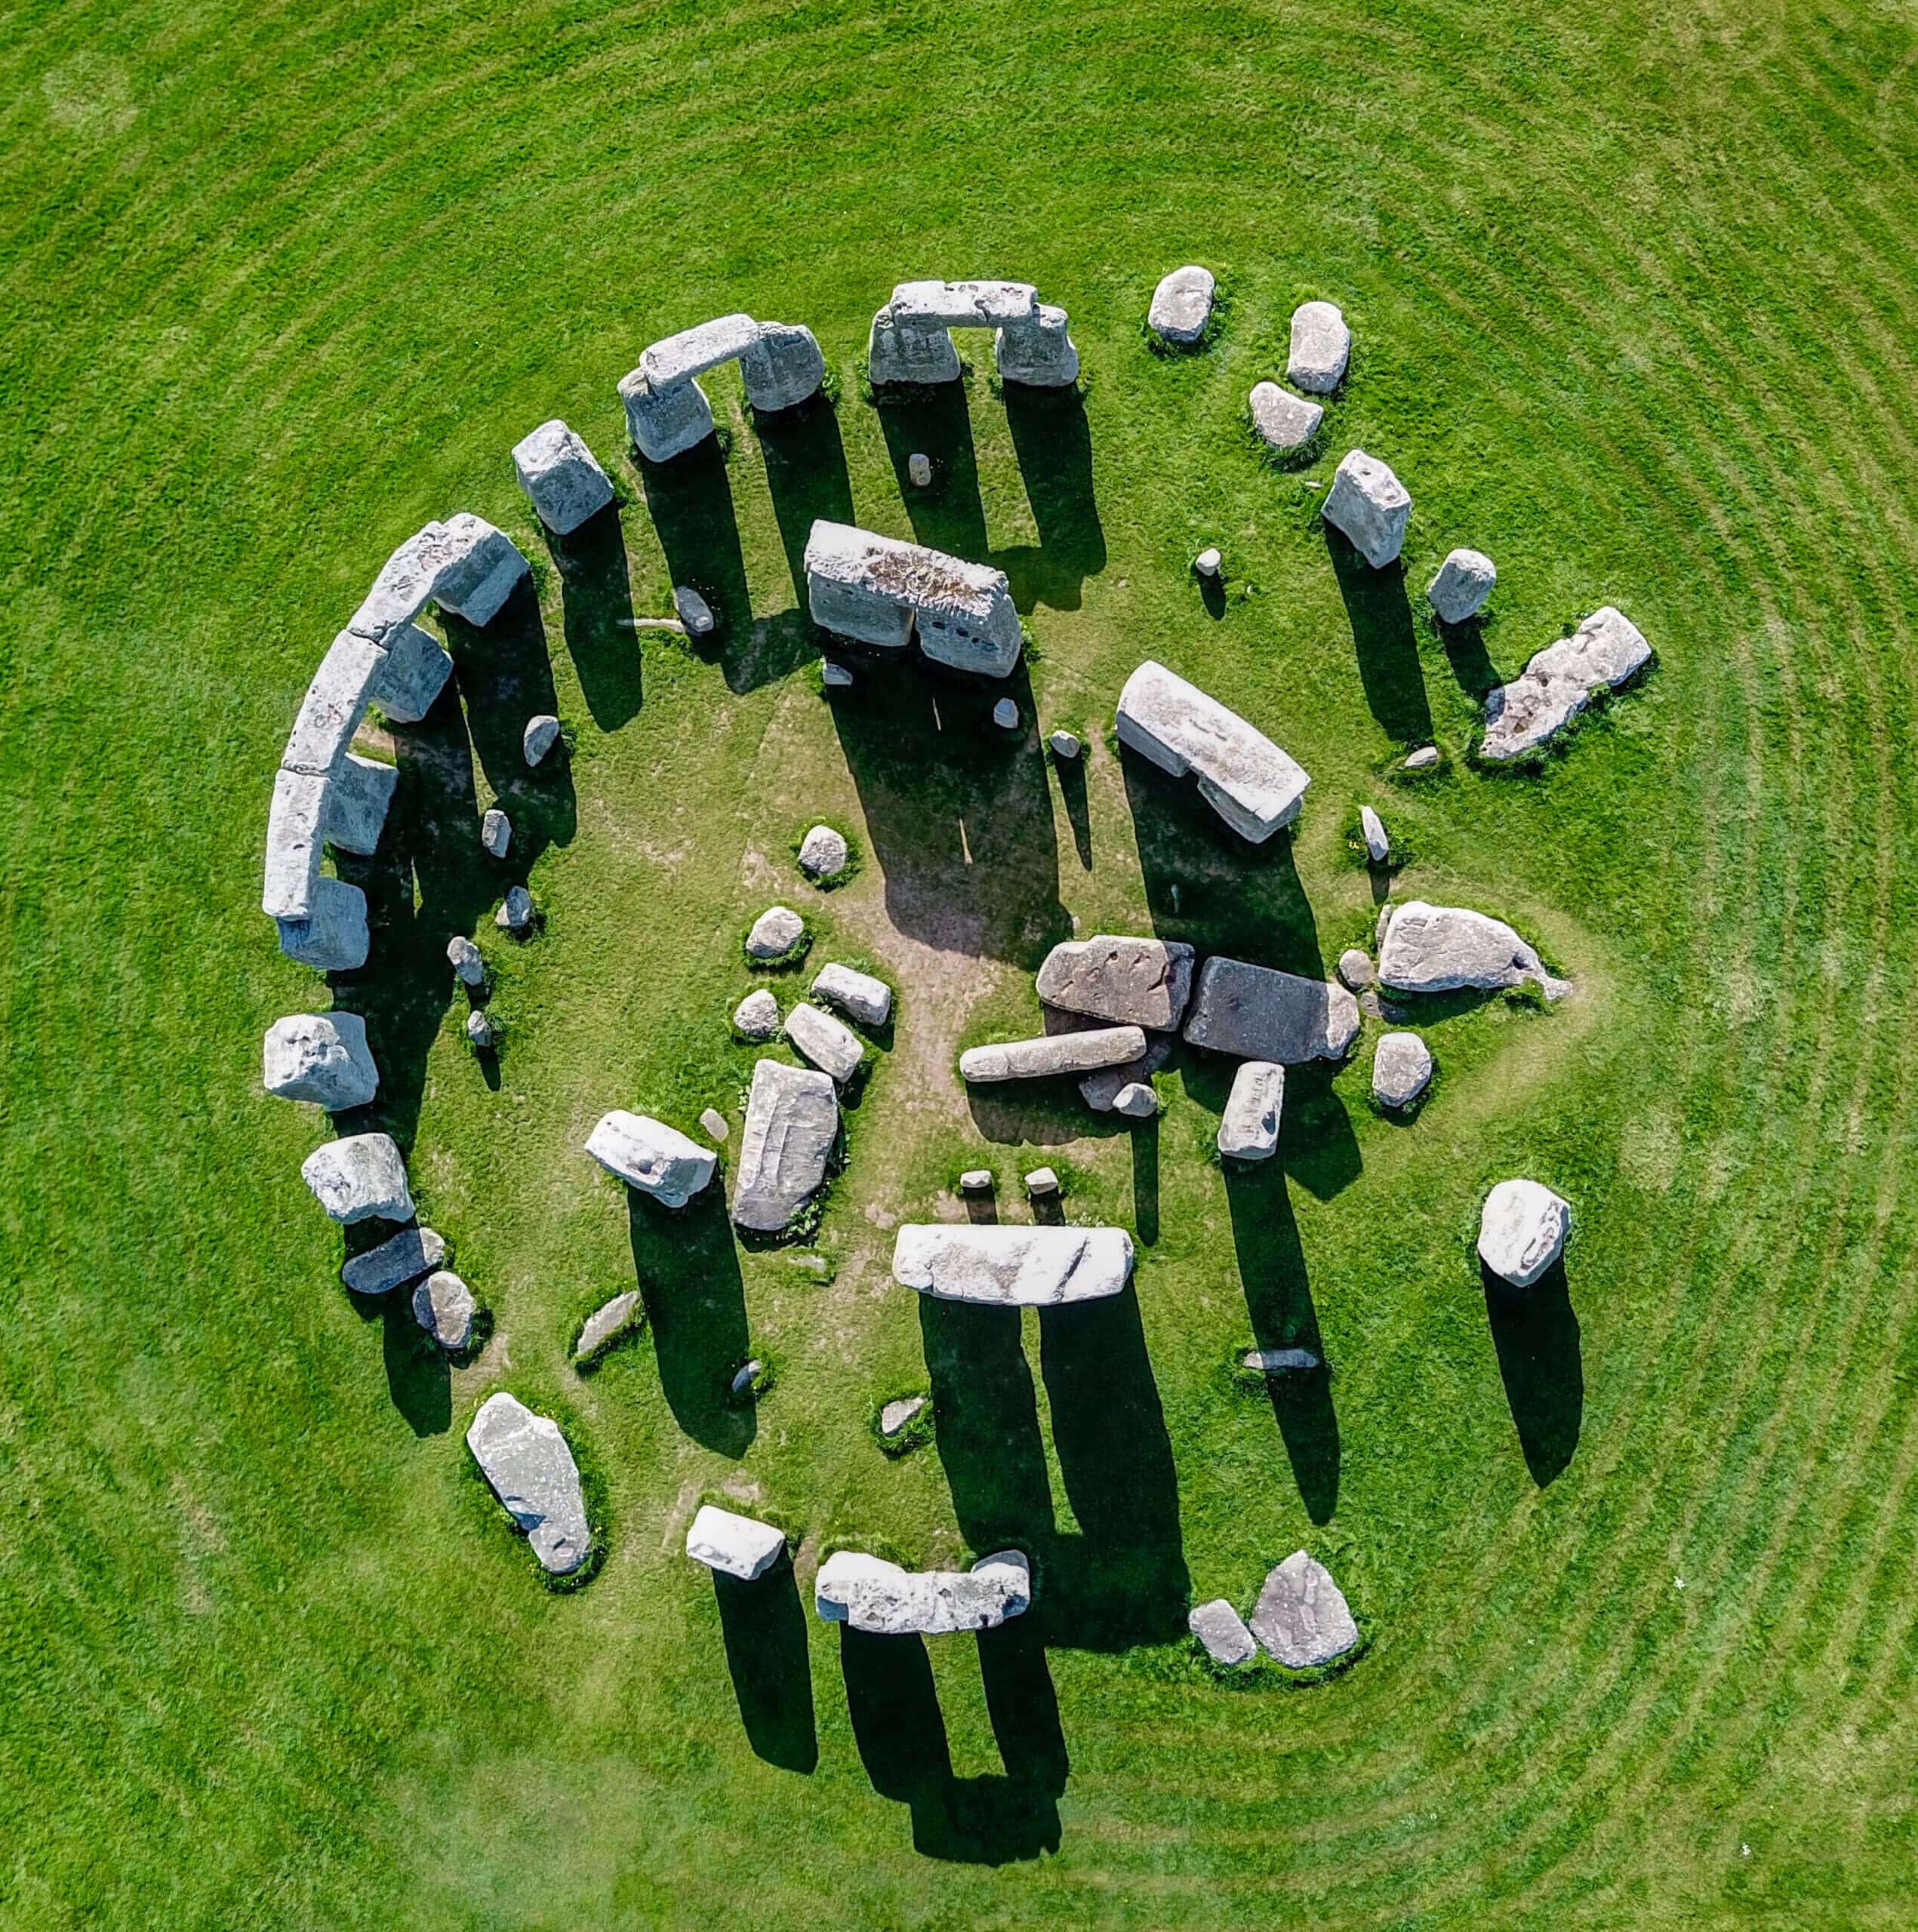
(1464, 581)
(1248, 1129)
(1302, 1617)
(1100, 1090)
(1052, 1053)
(1606, 650)
(775, 933)
(1182, 305)
(835, 677)
(651, 1157)
(1281, 1361)
(1371, 827)
(483, 565)
(1208, 563)
(1522, 1230)
(1441, 949)
(1042, 1180)
(1136, 1101)
(1260, 1014)
(1371, 505)
(1321, 347)
(444, 1306)
(747, 1377)
(1222, 1631)
(824, 853)
(977, 1180)
(792, 1120)
(1242, 775)
(1355, 968)
(871, 1594)
(541, 734)
(496, 831)
(919, 470)
(606, 1324)
(525, 1458)
(1402, 1069)
(480, 1031)
(359, 1177)
(468, 962)
(1005, 714)
(868, 999)
(756, 1017)
(714, 1123)
(1064, 744)
(320, 1057)
(830, 1045)
(1012, 1267)
(410, 1254)
(740, 1546)
(416, 671)
(1285, 422)
(896, 1415)
(357, 803)
(695, 612)
(1131, 982)
(334, 937)
(1423, 759)
(516, 914)
(561, 476)
(883, 592)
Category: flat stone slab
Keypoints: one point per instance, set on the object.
(650, 1157)
(1259, 1012)
(1244, 777)
(1607, 650)
(868, 999)
(525, 1458)
(1463, 581)
(1248, 1129)
(679, 358)
(1522, 1230)
(1130, 981)
(756, 1017)
(562, 477)
(1011, 1267)
(1052, 1053)
(1447, 948)
(1302, 1617)
(897, 1413)
(410, 1254)
(742, 1546)
(829, 1044)
(1402, 1069)
(1320, 349)
(874, 1595)
(320, 1057)
(1222, 1631)
(360, 1177)
(1285, 422)
(1281, 1361)
(1182, 305)
(607, 1323)
(792, 1120)
(1371, 505)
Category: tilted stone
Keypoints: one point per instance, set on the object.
(882, 591)
(874, 1595)
(1321, 347)
(1464, 582)
(740, 1546)
(1260, 1013)
(1372, 828)
(1011, 1267)
(1302, 1617)
(404, 1257)
(416, 671)
(1402, 1069)
(1443, 948)
(829, 1044)
(1371, 505)
(607, 1323)
(496, 831)
(782, 367)
(1182, 305)
(1522, 1230)
(358, 1177)
(1041, 1181)
(714, 1122)
(444, 1306)
(357, 800)
(1222, 1631)
(321, 1057)
(531, 1470)
(868, 999)
(1355, 968)
(515, 915)
(480, 1032)
(1284, 421)
(651, 1157)
(1052, 1053)
(562, 477)
(1248, 1129)
(1242, 775)
(483, 565)
(1135, 982)
(1136, 1101)
(468, 962)
(1607, 650)
(897, 1413)
(350, 676)
(792, 1120)
(335, 937)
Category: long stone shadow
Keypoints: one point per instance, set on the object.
(988, 1435)
(1053, 442)
(1465, 652)
(957, 813)
(934, 420)
(688, 1276)
(1536, 1331)
(595, 589)
(1386, 641)
(764, 1626)
(806, 473)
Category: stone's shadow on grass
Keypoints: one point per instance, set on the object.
(764, 1626)
(957, 813)
(419, 1377)
(596, 591)
(688, 1276)
(988, 1435)
(1385, 640)
(806, 472)
(1211, 595)
(1071, 774)
(1145, 1180)
(1039, 1113)
(1053, 441)
(1536, 1331)
(934, 420)
(1466, 652)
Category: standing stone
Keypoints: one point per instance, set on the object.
(1005, 714)
(868, 999)
(1222, 1631)
(1371, 505)
(792, 1121)
(1042, 1180)
(783, 368)
(561, 476)
(1606, 650)
(695, 612)
(828, 1043)
(359, 1177)
(747, 1378)
(1378, 848)
(1402, 1069)
(1208, 563)
(650, 1157)
(525, 1458)
(824, 853)
(516, 914)
(357, 803)
(1182, 305)
(1052, 1053)
(1285, 422)
(1136, 1101)
(468, 963)
(480, 1031)
(1442, 949)
(1321, 347)
(606, 1324)
(496, 832)
(1260, 1014)
(1522, 1230)
(756, 1017)
(1355, 968)
(444, 1306)
(541, 734)
(775, 933)
(408, 1254)
(740, 1546)
(1018, 1267)
(1464, 582)
(1131, 982)
(335, 937)
(322, 1057)
(1064, 744)
(919, 470)
(414, 674)
(1302, 1617)
(482, 566)
(1248, 1129)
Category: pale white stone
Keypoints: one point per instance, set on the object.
(677, 358)
(883, 592)
(468, 963)
(1464, 581)
(1260, 1013)
(335, 937)
(359, 1177)
(1423, 759)
(667, 422)
(479, 1031)
(824, 853)
(416, 671)
(1441, 949)
(1100, 1089)
(874, 1595)
(756, 1017)
(1136, 1101)
(1208, 563)
(792, 1121)
(1129, 981)
(1355, 968)
(444, 1306)
(295, 836)
(1371, 505)
(1522, 1230)
(1248, 1129)
(496, 831)
(775, 933)
(1012, 1267)
(714, 1123)
(1042, 1180)
(1321, 347)
(897, 1414)
(1378, 848)
(695, 612)
(561, 476)
(1182, 305)
(740, 1546)
(525, 1458)
(484, 564)
(868, 999)
(1065, 744)
(320, 1057)
(606, 1323)
(977, 1180)
(541, 734)
(829, 1044)
(407, 1255)
(1402, 1069)
(406, 583)
(651, 1157)
(1222, 1631)
(835, 677)
(1607, 650)
(1285, 422)
(358, 799)
(1005, 714)
(1302, 1617)
(1040, 352)
(1052, 1053)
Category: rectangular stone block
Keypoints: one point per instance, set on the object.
(349, 676)
(1053, 1053)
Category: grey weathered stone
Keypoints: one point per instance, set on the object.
(321, 1057)
(1242, 775)
(792, 1120)
(468, 962)
(835, 677)
(515, 915)
(1302, 1617)
(1284, 421)
(1136, 1101)
(1042, 1180)
(1464, 581)
(868, 999)
(1607, 650)
(919, 470)
(664, 423)
(1281, 1361)
(541, 734)
(1260, 1014)
(874, 1595)
(829, 1044)
(483, 565)
(756, 1017)
(359, 1177)
(444, 1306)
(977, 1180)
(897, 1414)
(496, 831)
(824, 853)
(1248, 1128)
(1371, 827)
(1052, 1053)
(1371, 505)
(1402, 1069)
(1321, 347)
(1522, 1230)
(883, 592)
(1182, 305)
(742, 1546)
(562, 477)
(335, 937)
(1208, 562)
(695, 612)
(358, 801)
(677, 358)
(296, 827)
(1100, 1090)
(403, 1258)
(1011, 1267)
(782, 367)
(1005, 714)
(416, 671)
(1222, 1631)
(525, 1458)
(480, 1031)
(1065, 744)
(714, 1122)
(1040, 353)
(405, 584)
(1441, 949)
(775, 933)
(1422, 759)
(350, 676)
(911, 337)
(651, 1157)
(607, 1323)
(1355, 968)
(1131, 982)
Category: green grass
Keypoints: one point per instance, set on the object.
(1634, 298)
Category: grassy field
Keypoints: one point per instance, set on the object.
(1634, 293)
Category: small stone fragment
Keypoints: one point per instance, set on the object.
(977, 1180)
(1402, 1069)
(1355, 968)
(411, 1253)
(740, 1546)
(1248, 1129)
(496, 831)
(824, 853)
(1208, 563)
(868, 999)
(1321, 347)
(1378, 848)
(1005, 714)
(695, 612)
(714, 1122)
(516, 914)
(1128, 981)
(651, 1157)
(468, 963)
(541, 734)
(444, 1306)
(1371, 505)
(1052, 1053)
(1423, 759)
(606, 1324)
(479, 1030)
(918, 469)
(1285, 422)
(835, 677)
(1064, 744)
(1182, 305)
(831, 1045)
(1136, 1101)
(775, 933)
(746, 1377)
(1042, 1180)
(897, 1414)
(1464, 581)
(1522, 1230)
(320, 1057)
(1222, 1631)
(525, 1458)
(1302, 1617)
(359, 1177)
(756, 1017)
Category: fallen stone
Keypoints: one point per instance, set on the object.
(868, 999)
(1005, 714)
(714, 1123)
(871, 1594)
(1281, 1361)
(1606, 650)
(977, 1180)
(1011, 1267)
(468, 963)
(1052, 1053)
(1064, 744)
(1136, 1101)
(525, 1458)
(883, 592)
(1302, 1617)
(1442, 949)
(1182, 305)
(1371, 505)
(824, 853)
(792, 1120)
(919, 470)
(1222, 1631)
(480, 1031)
(1248, 1128)
(1242, 775)
(756, 1017)
(320, 1057)
(541, 735)
(444, 1306)
(1208, 563)
(335, 937)
(1355, 968)
(1423, 759)
(830, 1045)
(516, 914)
(483, 566)
(1042, 1180)
(410, 1254)
(746, 1378)
(359, 1177)
(775, 933)
(1464, 581)
(1522, 1230)
(1131, 982)
(1260, 1014)
(1378, 848)
(1100, 1090)
(357, 803)
(651, 1157)
(695, 612)
(416, 671)
(835, 677)
(354, 671)
(1402, 1069)
(740, 1545)
(606, 1324)
(1321, 347)
(496, 831)
(1285, 422)
(561, 476)
(896, 1415)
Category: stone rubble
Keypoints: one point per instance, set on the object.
(1422, 759)
(977, 1180)
(1208, 563)
(792, 1121)
(1136, 1101)
(525, 1458)
(1281, 1361)
(1100, 1090)
(480, 1031)
(650, 1157)
(320, 1057)
(714, 1122)
(741, 1546)
(919, 470)
(874, 1595)
(1248, 1128)
(1128, 981)
(1011, 1267)
(1005, 714)
(1606, 650)
(1371, 505)
(1052, 1054)
(1522, 1230)
(1042, 1180)
(1259, 1012)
